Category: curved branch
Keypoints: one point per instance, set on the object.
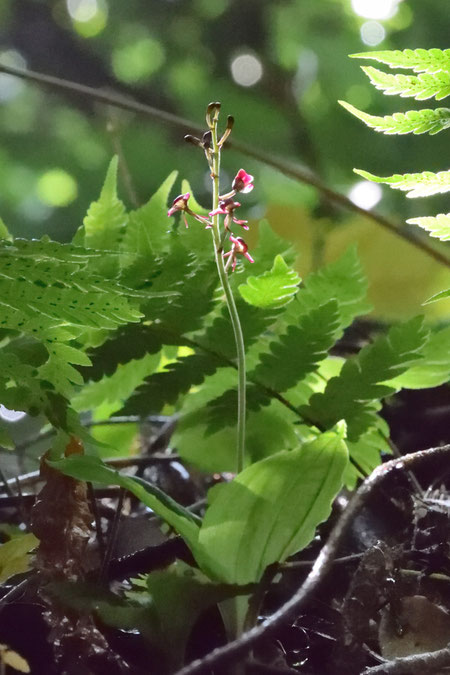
(185, 126)
(324, 562)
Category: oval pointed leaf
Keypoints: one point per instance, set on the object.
(270, 510)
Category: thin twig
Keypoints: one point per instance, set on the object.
(430, 662)
(281, 164)
(112, 536)
(321, 567)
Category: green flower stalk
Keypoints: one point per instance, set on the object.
(224, 205)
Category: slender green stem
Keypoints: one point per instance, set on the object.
(234, 316)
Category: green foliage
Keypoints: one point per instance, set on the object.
(270, 510)
(353, 394)
(14, 555)
(272, 289)
(438, 226)
(434, 64)
(433, 369)
(416, 184)
(90, 468)
(421, 88)
(426, 121)
(420, 60)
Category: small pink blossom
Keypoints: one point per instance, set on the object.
(238, 247)
(227, 207)
(243, 182)
(180, 203)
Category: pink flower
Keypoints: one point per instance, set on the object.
(227, 207)
(179, 204)
(243, 182)
(238, 247)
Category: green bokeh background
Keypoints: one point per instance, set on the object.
(177, 55)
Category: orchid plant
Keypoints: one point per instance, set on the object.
(223, 205)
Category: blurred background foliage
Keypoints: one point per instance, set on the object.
(279, 66)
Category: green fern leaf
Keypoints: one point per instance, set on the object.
(275, 288)
(148, 227)
(422, 184)
(433, 369)
(216, 347)
(413, 121)
(342, 280)
(106, 219)
(438, 226)
(298, 352)
(421, 88)
(289, 360)
(420, 60)
(354, 394)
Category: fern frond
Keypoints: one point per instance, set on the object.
(148, 227)
(290, 359)
(420, 60)
(215, 349)
(420, 87)
(422, 184)
(438, 226)
(354, 394)
(299, 351)
(274, 288)
(414, 121)
(106, 220)
(342, 280)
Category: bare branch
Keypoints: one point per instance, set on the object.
(303, 175)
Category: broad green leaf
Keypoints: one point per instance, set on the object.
(270, 510)
(178, 596)
(422, 87)
(14, 555)
(420, 60)
(414, 121)
(438, 226)
(272, 289)
(417, 184)
(90, 468)
(355, 393)
(433, 369)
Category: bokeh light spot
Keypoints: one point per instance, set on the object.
(89, 17)
(82, 10)
(246, 70)
(375, 9)
(137, 61)
(365, 194)
(10, 415)
(372, 33)
(56, 187)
